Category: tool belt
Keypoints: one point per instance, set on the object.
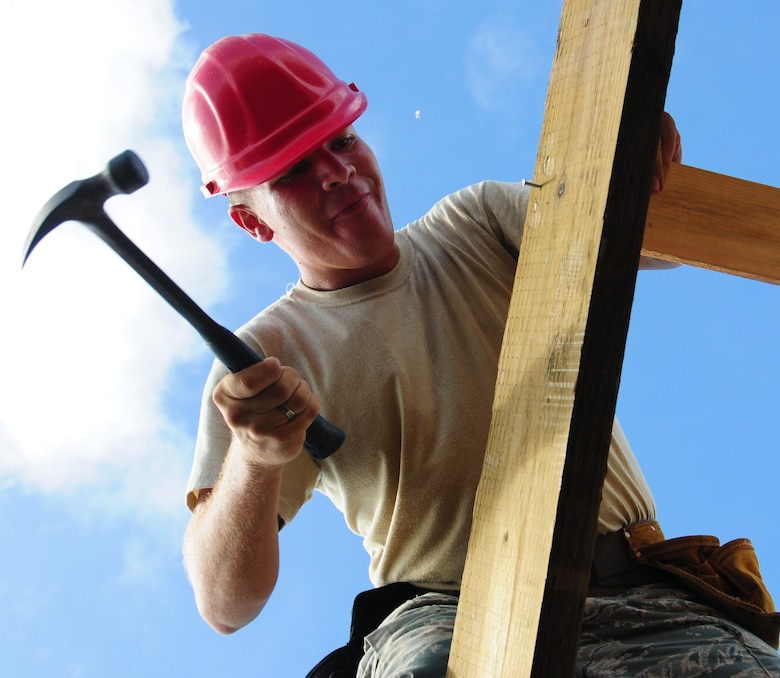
(726, 577)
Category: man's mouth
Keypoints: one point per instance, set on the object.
(353, 206)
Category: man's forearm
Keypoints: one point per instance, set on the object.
(231, 547)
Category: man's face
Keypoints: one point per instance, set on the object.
(329, 213)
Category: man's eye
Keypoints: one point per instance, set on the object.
(291, 173)
(344, 142)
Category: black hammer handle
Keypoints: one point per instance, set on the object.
(128, 171)
(322, 437)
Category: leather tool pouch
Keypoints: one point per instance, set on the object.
(726, 577)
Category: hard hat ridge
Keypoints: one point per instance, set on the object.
(254, 105)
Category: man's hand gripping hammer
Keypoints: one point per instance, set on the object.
(83, 201)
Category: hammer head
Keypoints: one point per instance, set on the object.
(83, 200)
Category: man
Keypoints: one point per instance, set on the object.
(401, 332)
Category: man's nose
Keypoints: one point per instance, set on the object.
(334, 170)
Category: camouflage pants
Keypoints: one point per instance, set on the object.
(652, 631)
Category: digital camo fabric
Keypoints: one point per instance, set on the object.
(652, 631)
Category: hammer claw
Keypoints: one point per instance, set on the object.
(83, 200)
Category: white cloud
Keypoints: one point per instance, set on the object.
(86, 344)
(501, 61)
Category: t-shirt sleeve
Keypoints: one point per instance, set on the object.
(505, 205)
(212, 442)
(495, 209)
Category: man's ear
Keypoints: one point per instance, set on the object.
(246, 219)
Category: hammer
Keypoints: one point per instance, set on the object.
(83, 201)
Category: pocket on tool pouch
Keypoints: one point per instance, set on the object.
(727, 577)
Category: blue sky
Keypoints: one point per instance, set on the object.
(102, 380)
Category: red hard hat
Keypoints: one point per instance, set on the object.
(254, 105)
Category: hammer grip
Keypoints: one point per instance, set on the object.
(322, 437)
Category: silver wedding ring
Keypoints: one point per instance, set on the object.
(287, 412)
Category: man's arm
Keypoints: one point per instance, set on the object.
(231, 548)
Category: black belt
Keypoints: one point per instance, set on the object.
(368, 611)
(612, 572)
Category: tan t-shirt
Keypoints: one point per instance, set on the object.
(406, 364)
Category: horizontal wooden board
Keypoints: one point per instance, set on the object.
(717, 222)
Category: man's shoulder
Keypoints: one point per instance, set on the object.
(489, 211)
(480, 203)
(270, 320)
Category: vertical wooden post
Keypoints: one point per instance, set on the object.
(529, 555)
